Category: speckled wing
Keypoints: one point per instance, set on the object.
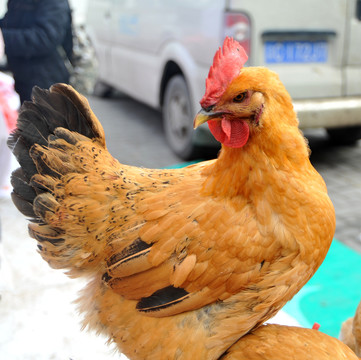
(179, 250)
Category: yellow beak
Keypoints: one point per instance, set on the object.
(204, 115)
(200, 118)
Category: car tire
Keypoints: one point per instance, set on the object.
(177, 118)
(345, 135)
(102, 90)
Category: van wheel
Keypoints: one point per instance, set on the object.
(177, 118)
(102, 90)
(345, 135)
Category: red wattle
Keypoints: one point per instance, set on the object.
(231, 133)
(226, 126)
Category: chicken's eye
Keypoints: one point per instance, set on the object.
(240, 97)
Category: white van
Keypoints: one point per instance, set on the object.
(159, 53)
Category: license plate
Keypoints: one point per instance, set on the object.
(277, 52)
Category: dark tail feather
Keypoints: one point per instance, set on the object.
(18, 181)
(59, 107)
(60, 111)
(20, 148)
(24, 206)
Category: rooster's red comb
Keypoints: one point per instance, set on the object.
(227, 64)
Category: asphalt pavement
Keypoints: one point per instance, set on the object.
(133, 132)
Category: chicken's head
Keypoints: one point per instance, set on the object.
(237, 98)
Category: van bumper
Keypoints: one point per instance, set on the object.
(328, 113)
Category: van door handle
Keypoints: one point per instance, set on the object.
(358, 9)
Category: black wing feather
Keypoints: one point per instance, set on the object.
(162, 299)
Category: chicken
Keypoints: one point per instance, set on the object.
(185, 261)
(351, 332)
(277, 342)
